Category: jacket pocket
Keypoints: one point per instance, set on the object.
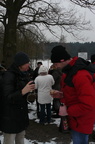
(73, 122)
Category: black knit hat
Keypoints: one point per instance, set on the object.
(59, 53)
(21, 58)
(93, 58)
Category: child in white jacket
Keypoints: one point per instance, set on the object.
(43, 83)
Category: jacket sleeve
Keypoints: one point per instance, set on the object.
(10, 93)
(52, 80)
(36, 86)
(85, 91)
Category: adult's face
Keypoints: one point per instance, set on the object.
(24, 67)
(62, 64)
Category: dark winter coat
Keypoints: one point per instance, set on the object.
(35, 73)
(57, 73)
(14, 104)
(1, 75)
(78, 87)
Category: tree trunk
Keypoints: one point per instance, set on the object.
(9, 45)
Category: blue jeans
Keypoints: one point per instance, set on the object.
(42, 112)
(79, 138)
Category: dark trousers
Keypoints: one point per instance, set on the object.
(46, 107)
(38, 107)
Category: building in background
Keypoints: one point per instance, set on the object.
(83, 55)
(46, 63)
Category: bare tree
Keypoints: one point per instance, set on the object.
(15, 14)
(62, 39)
(31, 41)
(85, 3)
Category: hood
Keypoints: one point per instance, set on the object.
(75, 65)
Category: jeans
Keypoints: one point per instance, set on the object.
(42, 113)
(11, 138)
(79, 138)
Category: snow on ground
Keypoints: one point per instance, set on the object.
(32, 115)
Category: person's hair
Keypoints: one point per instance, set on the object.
(39, 63)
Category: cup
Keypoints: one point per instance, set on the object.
(32, 91)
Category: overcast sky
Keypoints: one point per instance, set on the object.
(88, 35)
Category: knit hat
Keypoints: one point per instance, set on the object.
(43, 69)
(93, 58)
(59, 53)
(21, 58)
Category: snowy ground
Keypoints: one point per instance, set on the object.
(33, 116)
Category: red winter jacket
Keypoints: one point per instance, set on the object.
(80, 100)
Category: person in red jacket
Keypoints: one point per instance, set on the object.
(78, 93)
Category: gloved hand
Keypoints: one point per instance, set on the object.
(28, 88)
(63, 110)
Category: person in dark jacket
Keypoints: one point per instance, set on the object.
(93, 58)
(16, 86)
(56, 73)
(78, 87)
(2, 70)
(36, 70)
